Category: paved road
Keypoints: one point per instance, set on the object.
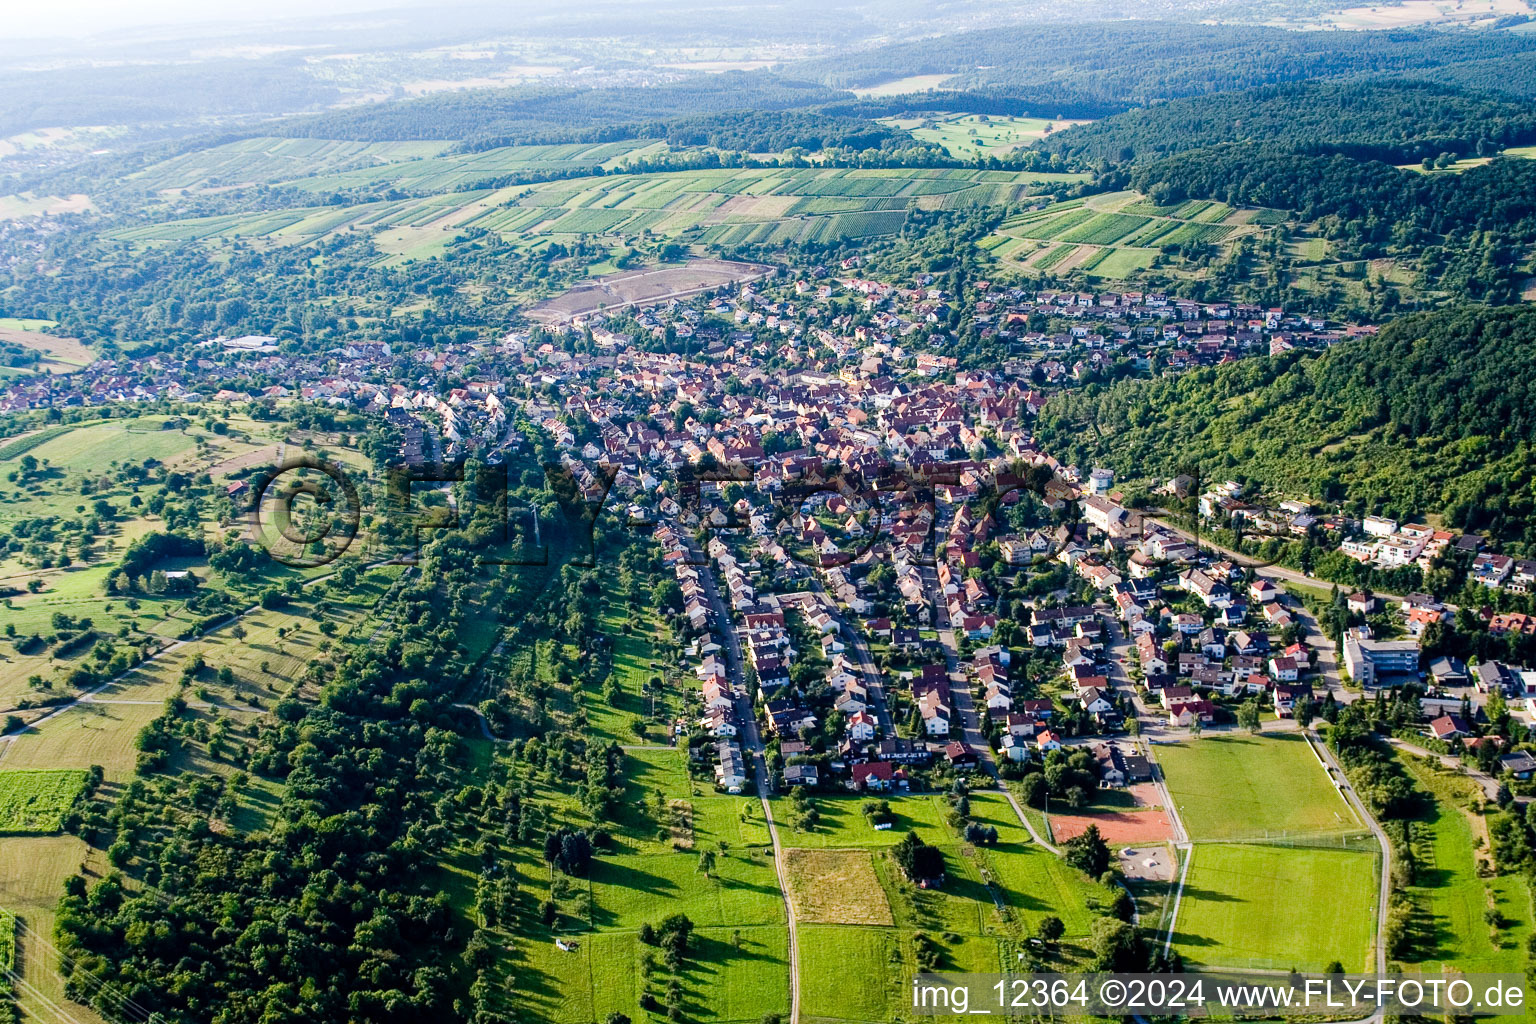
(1384, 893)
(855, 644)
(752, 743)
(965, 702)
(1276, 572)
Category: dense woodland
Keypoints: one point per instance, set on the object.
(770, 131)
(1432, 415)
(485, 118)
(1391, 120)
(1141, 61)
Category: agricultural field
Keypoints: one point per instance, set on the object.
(1238, 787)
(648, 285)
(1278, 908)
(1116, 235)
(861, 923)
(60, 355)
(37, 801)
(836, 887)
(725, 207)
(16, 207)
(972, 135)
(326, 165)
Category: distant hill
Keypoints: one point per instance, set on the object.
(1392, 120)
(1436, 414)
(1146, 61)
(485, 118)
(1514, 75)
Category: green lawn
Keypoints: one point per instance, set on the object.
(733, 974)
(1451, 899)
(631, 889)
(737, 968)
(850, 973)
(1251, 787)
(843, 823)
(1278, 908)
(1036, 883)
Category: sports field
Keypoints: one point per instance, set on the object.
(1278, 908)
(1252, 787)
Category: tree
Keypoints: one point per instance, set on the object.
(1050, 930)
(1088, 852)
(919, 861)
(570, 850)
(1036, 789)
(706, 862)
(1123, 906)
(1250, 716)
(1117, 946)
(1304, 711)
(1194, 725)
(673, 935)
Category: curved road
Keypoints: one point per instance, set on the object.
(1278, 572)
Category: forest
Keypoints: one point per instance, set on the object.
(1381, 119)
(771, 131)
(1433, 415)
(486, 118)
(1170, 60)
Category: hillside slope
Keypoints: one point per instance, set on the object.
(1433, 415)
(1386, 119)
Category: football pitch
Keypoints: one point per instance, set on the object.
(1252, 787)
(1277, 908)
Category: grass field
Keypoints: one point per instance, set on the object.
(1278, 907)
(843, 824)
(969, 135)
(1450, 898)
(836, 887)
(70, 458)
(1251, 787)
(861, 922)
(32, 873)
(850, 973)
(36, 801)
(737, 967)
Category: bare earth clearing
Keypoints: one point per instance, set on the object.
(638, 287)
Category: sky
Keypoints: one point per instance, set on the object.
(81, 18)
